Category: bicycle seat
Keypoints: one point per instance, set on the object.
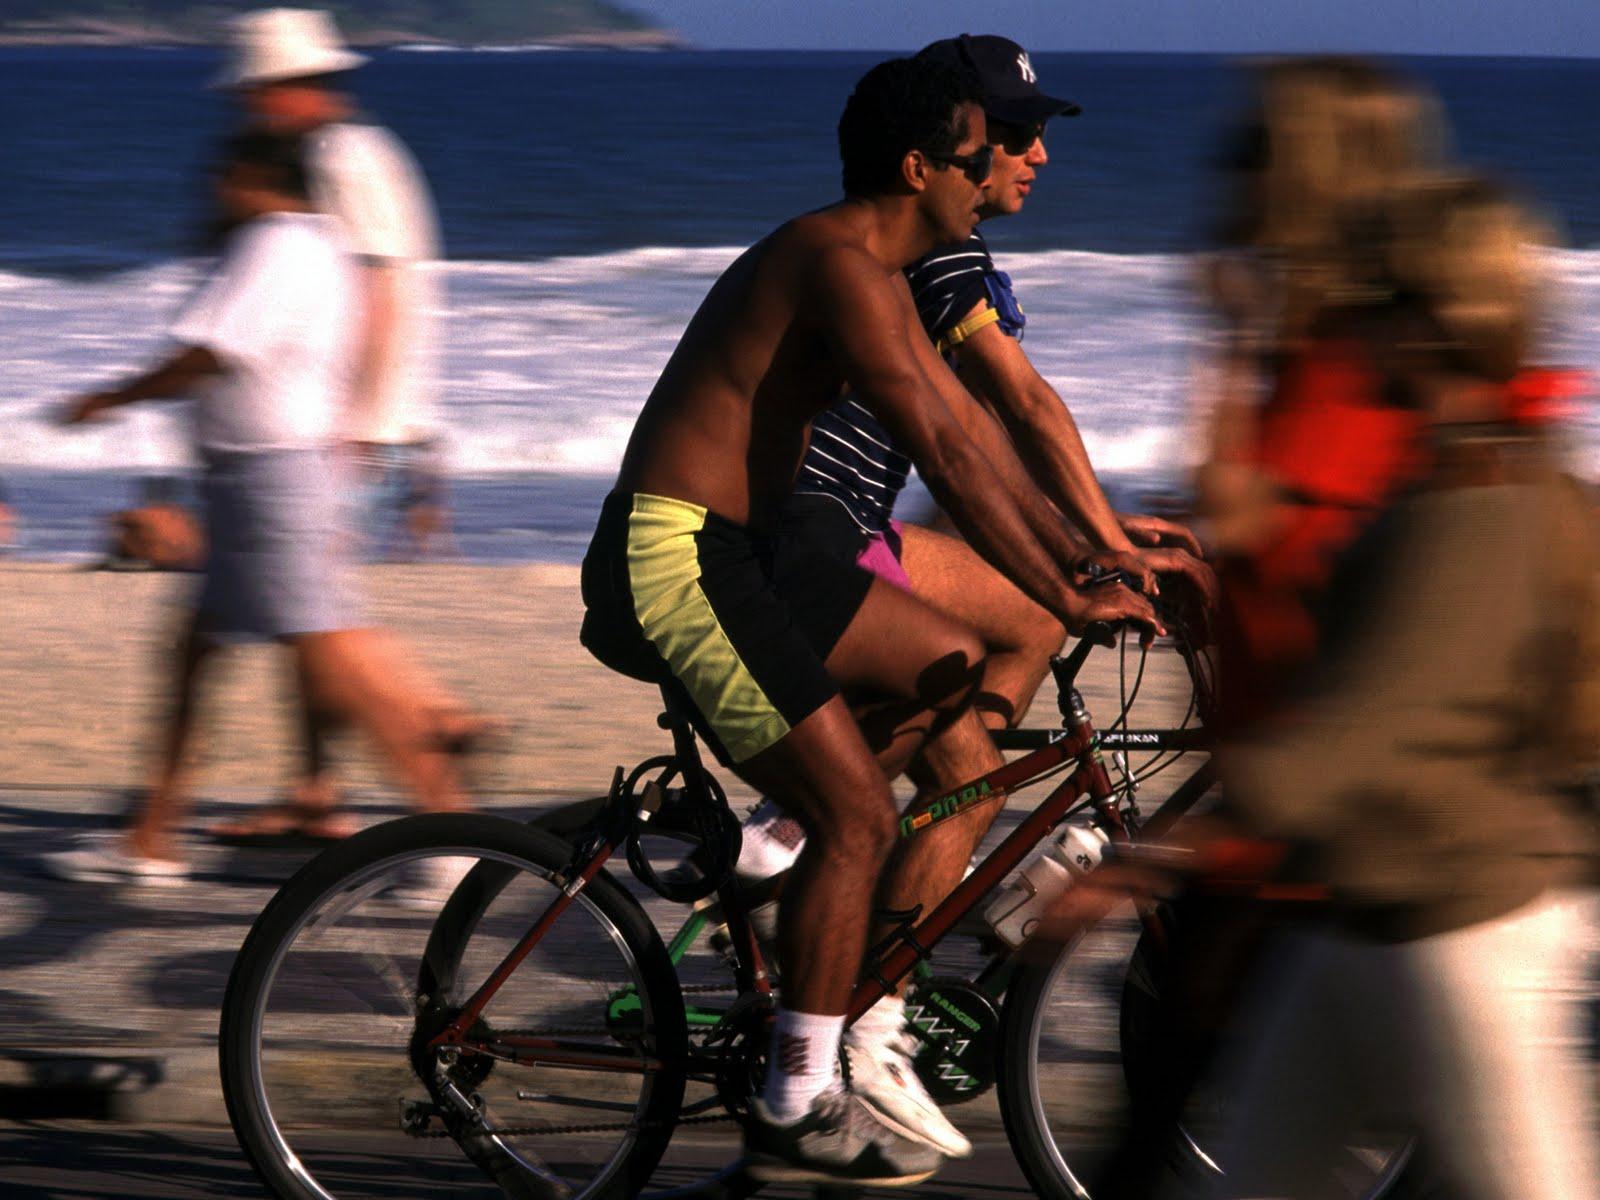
(637, 660)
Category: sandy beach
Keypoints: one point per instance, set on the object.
(81, 652)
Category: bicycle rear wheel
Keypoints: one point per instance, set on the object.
(704, 1161)
(331, 1083)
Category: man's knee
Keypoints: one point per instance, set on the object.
(1041, 637)
(951, 682)
(855, 821)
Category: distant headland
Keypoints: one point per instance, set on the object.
(368, 23)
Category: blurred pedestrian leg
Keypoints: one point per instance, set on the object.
(1465, 1039)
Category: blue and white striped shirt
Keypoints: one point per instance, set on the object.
(852, 458)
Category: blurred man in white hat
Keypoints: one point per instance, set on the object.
(288, 74)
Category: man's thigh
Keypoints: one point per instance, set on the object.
(953, 578)
(900, 647)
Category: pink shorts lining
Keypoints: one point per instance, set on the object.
(881, 557)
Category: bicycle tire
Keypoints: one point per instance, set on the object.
(1017, 1082)
(344, 880)
(1039, 1152)
(447, 943)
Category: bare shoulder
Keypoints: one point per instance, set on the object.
(822, 237)
(832, 263)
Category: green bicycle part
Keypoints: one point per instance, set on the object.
(703, 1017)
(624, 1011)
(685, 937)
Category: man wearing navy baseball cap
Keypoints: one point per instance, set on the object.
(1006, 75)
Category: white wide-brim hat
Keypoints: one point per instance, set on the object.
(273, 44)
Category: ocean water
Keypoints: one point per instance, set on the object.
(589, 199)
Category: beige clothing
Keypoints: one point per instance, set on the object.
(365, 177)
(1470, 1039)
(1422, 771)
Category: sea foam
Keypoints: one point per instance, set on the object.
(547, 362)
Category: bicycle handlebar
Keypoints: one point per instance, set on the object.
(1065, 667)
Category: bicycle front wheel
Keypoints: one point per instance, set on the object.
(1081, 1056)
(568, 1085)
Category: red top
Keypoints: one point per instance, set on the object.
(1340, 452)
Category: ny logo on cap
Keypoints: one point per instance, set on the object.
(1026, 68)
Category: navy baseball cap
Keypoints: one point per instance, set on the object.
(1005, 77)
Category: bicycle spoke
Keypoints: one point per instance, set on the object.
(543, 1096)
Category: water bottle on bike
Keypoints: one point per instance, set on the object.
(1045, 874)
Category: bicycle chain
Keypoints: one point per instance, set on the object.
(612, 1127)
(616, 1127)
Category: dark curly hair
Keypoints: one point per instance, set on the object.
(901, 105)
(281, 156)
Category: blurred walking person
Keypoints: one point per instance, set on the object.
(265, 347)
(1418, 775)
(1307, 442)
(289, 74)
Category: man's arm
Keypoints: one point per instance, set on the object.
(173, 379)
(1047, 439)
(871, 326)
(1009, 470)
(1044, 518)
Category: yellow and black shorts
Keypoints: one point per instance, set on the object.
(741, 622)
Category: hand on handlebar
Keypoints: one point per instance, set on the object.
(1173, 561)
(1108, 604)
(1145, 530)
(1093, 567)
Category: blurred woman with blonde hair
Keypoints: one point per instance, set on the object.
(1418, 773)
(1311, 431)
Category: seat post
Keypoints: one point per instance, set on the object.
(684, 746)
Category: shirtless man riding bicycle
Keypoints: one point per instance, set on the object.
(686, 581)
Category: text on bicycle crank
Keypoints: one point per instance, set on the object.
(958, 1028)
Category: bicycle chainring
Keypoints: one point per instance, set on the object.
(959, 1029)
(738, 1045)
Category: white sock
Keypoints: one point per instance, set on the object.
(771, 842)
(879, 1025)
(804, 1062)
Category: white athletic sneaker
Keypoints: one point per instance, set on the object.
(882, 1076)
(101, 858)
(839, 1140)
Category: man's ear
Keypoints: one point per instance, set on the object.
(914, 168)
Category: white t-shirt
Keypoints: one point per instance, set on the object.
(281, 312)
(364, 176)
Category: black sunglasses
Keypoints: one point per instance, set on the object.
(975, 166)
(1015, 140)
